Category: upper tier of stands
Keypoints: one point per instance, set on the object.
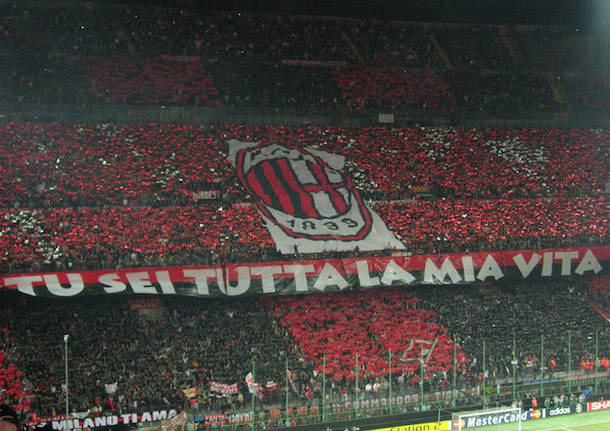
(95, 54)
(148, 81)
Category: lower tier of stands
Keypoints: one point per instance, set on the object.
(204, 351)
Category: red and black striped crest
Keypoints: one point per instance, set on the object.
(295, 187)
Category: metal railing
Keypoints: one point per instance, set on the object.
(205, 115)
(570, 377)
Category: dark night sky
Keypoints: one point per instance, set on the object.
(566, 12)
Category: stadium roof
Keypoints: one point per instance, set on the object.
(561, 12)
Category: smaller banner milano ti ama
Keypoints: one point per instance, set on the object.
(308, 204)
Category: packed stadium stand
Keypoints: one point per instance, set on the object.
(194, 342)
(465, 249)
(89, 194)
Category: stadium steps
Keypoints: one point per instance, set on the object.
(599, 311)
(546, 52)
(123, 35)
(441, 52)
(510, 46)
(560, 94)
(352, 46)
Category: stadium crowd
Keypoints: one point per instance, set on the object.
(474, 47)
(393, 44)
(265, 85)
(153, 81)
(590, 91)
(98, 196)
(363, 320)
(527, 312)
(122, 237)
(189, 341)
(84, 54)
(55, 165)
(393, 89)
(502, 93)
(600, 292)
(85, 196)
(13, 390)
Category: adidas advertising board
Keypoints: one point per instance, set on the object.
(559, 411)
(308, 204)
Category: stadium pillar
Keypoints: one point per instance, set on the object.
(390, 377)
(454, 374)
(569, 362)
(514, 363)
(596, 361)
(254, 393)
(484, 376)
(67, 391)
(356, 390)
(286, 409)
(541, 366)
(324, 388)
(421, 384)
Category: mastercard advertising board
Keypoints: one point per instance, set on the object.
(489, 418)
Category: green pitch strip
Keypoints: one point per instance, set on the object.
(595, 421)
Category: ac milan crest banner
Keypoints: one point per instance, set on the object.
(308, 204)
